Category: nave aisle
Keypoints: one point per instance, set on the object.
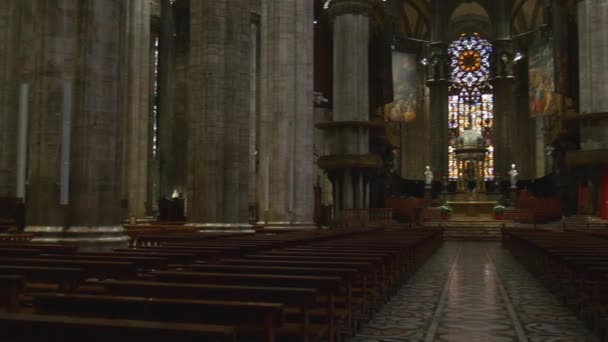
(474, 291)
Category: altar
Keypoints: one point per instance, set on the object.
(472, 208)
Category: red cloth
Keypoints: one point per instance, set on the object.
(580, 203)
(603, 197)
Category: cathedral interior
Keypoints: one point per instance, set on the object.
(304, 170)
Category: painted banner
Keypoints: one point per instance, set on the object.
(541, 80)
(405, 82)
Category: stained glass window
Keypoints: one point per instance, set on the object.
(470, 100)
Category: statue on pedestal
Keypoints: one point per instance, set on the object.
(513, 176)
(428, 177)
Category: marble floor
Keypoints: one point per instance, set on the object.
(473, 291)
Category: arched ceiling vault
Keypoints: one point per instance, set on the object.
(413, 18)
(527, 15)
(468, 17)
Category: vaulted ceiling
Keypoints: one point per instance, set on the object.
(415, 18)
(527, 15)
(466, 15)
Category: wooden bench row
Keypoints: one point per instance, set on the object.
(573, 265)
(295, 286)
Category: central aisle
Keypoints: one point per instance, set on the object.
(474, 291)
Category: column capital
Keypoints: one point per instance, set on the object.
(340, 7)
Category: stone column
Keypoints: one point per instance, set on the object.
(593, 73)
(137, 107)
(75, 60)
(254, 105)
(351, 63)
(438, 81)
(10, 17)
(166, 147)
(285, 184)
(438, 76)
(507, 136)
(174, 117)
(349, 155)
(218, 137)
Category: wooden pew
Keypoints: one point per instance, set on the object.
(19, 252)
(68, 278)
(91, 269)
(348, 277)
(244, 316)
(387, 264)
(367, 299)
(51, 328)
(43, 247)
(301, 298)
(15, 237)
(172, 258)
(140, 263)
(151, 237)
(571, 264)
(10, 287)
(325, 285)
(199, 254)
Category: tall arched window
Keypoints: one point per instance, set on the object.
(470, 98)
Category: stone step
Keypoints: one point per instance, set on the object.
(472, 232)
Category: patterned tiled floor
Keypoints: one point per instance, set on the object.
(473, 291)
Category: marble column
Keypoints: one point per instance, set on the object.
(438, 82)
(351, 63)
(285, 184)
(166, 147)
(74, 62)
(218, 137)
(438, 76)
(348, 132)
(137, 107)
(593, 73)
(509, 132)
(174, 117)
(10, 17)
(254, 105)
(507, 135)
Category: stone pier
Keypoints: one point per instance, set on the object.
(593, 73)
(285, 170)
(75, 63)
(349, 162)
(137, 108)
(218, 112)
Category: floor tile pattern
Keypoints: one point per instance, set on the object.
(473, 291)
